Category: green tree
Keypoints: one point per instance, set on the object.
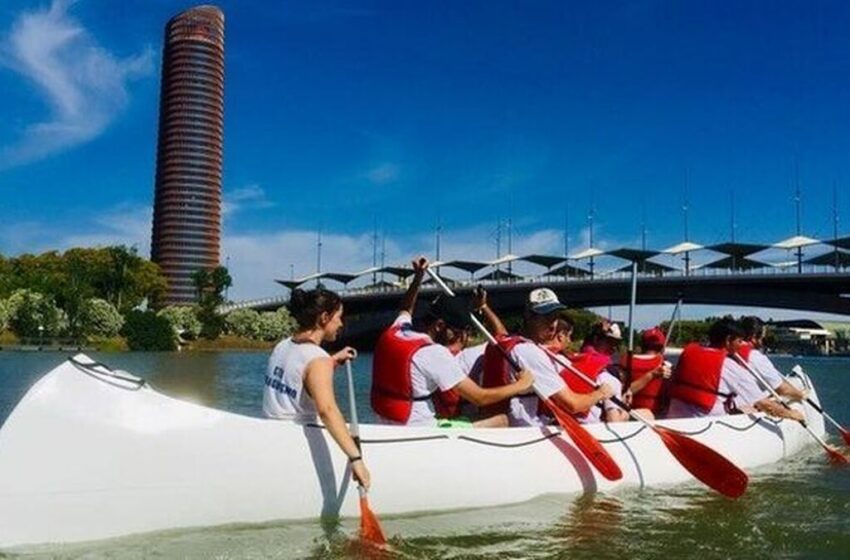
(183, 320)
(243, 322)
(98, 317)
(274, 325)
(210, 286)
(31, 310)
(5, 313)
(116, 274)
(145, 330)
(688, 331)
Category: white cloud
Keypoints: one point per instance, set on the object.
(384, 173)
(83, 84)
(249, 196)
(125, 224)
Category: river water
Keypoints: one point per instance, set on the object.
(799, 508)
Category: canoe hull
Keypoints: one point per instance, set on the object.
(87, 456)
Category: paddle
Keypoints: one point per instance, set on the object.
(845, 435)
(704, 463)
(370, 527)
(835, 456)
(586, 443)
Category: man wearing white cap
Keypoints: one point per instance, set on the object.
(540, 322)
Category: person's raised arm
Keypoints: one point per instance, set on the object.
(318, 379)
(408, 304)
(480, 304)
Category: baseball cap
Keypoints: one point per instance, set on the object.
(612, 330)
(543, 301)
(653, 338)
(453, 311)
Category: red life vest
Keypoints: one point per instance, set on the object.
(745, 349)
(497, 372)
(392, 392)
(696, 379)
(591, 364)
(642, 365)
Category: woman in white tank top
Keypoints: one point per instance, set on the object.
(299, 377)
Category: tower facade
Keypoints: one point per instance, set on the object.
(187, 199)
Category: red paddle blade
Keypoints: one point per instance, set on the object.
(705, 464)
(587, 444)
(845, 435)
(836, 457)
(370, 527)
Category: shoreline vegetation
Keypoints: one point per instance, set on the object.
(110, 299)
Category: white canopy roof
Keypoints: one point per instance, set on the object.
(587, 253)
(683, 247)
(504, 260)
(796, 242)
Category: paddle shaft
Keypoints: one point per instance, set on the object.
(798, 371)
(704, 463)
(475, 321)
(672, 325)
(776, 396)
(354, 425)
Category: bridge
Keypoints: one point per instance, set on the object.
(739, 275)
(367, 311)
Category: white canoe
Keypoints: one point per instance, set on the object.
(87, 455)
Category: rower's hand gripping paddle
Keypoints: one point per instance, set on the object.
(705, 464)
(845, 434)
(586, 443)
(835, 456)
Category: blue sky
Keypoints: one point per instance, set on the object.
(343, 115)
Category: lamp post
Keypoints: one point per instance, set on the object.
(40, 337)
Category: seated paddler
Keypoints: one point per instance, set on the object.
(752, 352)
(708, 381)
(529, 351)
(415, 376)
(299, 378)
(594, 365)
(648, 371)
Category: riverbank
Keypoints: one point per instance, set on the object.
(10, 342)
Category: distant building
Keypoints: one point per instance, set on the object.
(187, 201)
(804, 336)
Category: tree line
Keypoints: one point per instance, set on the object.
(86, 294)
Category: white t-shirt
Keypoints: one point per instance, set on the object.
(285, 396)
(733, 379)
(471, 361)
(595, 413)
(432, 368)
(763, 365)
(522, 410)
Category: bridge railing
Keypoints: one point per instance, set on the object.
(545, 279)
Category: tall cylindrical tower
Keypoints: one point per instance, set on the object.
(187, 199)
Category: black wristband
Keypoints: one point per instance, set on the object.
(354, 459)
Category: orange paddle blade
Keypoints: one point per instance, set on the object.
(586, 443)
(706, 464)
(370, 527)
